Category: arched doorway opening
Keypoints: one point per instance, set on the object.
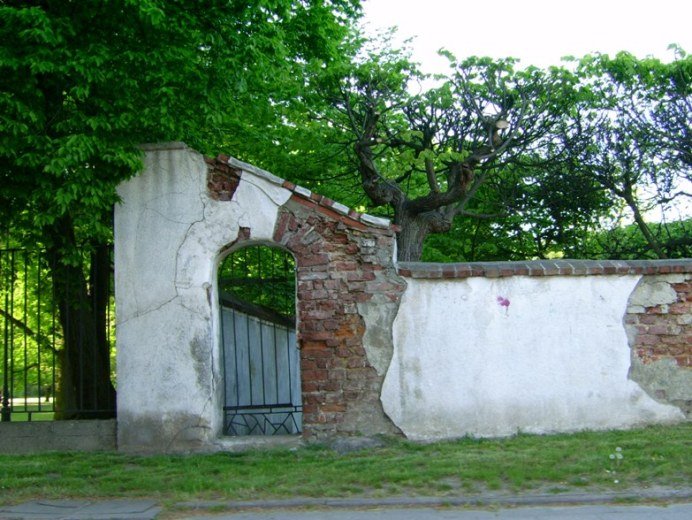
(262, 390)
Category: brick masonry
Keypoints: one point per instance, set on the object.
(659, 328)
(222, 179)
(344, 264)
(341, 264)
(664, 330)
(543, 268)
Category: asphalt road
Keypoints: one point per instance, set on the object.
(596, 512)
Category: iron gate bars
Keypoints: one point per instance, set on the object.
(261, 361)
(30, 337)
(32, 341)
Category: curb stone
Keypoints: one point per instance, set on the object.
(149, 510)
(82, 510)
(489, 499)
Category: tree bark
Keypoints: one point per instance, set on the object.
(643, 227)
(414, 229)
(85, 390)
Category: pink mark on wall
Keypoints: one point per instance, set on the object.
(503, 302)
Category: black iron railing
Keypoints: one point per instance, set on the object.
(32, 344)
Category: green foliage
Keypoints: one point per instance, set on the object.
(630, 132)
(620, 145)
(82, 84)
(626, 242)
(483, 142)
(288, 86)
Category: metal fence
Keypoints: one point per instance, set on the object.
(31, 338)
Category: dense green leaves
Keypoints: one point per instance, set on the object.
(517, 163)
(632, 135)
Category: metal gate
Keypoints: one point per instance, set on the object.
(260, 356)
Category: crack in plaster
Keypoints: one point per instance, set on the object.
(144, 312)
(200, 425)
(164, 217)
(261, 188)
(186, 235)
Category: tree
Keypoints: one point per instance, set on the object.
(426, 156)
(532, 212)
(632, 133)
(81, 85)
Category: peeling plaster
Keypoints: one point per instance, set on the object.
(660, 376)
(168, 238)
(378, 342)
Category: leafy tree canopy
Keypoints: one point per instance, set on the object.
(508, 163)
(82, 84)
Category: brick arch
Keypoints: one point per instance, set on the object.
(342, 266)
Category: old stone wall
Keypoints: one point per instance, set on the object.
(429, 351)
(177, 221)
(490, 349)
(345, 276)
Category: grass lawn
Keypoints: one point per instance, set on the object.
(556, 463)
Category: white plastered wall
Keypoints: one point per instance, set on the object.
(168, 239)
(496, 356)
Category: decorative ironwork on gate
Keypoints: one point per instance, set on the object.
(260, 355)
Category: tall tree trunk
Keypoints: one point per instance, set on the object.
(409, 241)
(414, 229)
(85, 389)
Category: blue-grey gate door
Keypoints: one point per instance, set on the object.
(262, 375)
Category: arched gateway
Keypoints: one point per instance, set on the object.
(247, 306)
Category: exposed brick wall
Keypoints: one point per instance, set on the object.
(345, 269)
(222, 179)
(659, 328)
(664, 330)
(341, 263)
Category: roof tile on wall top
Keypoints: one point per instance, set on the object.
(364, 218)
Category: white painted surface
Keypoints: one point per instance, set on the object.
(491, 357)
(168, 239)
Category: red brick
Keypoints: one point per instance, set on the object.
(680, 308)
(646, 339)
(671, 340)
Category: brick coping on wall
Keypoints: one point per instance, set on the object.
(425, 270)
